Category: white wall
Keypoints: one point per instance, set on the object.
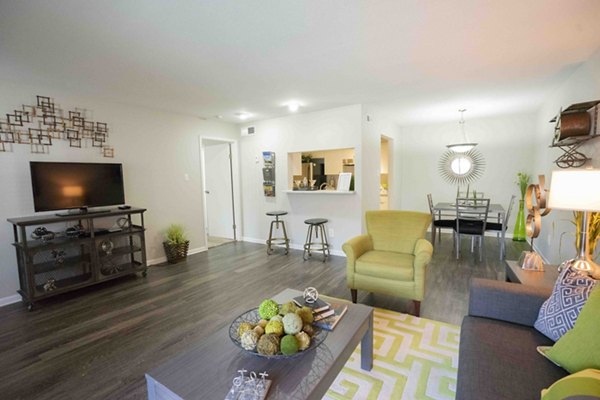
(330, 129)
(583, 85)
(506, 143)
(156, 148)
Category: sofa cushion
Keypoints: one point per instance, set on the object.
(499, 360)
(559, 313)
(386, 265)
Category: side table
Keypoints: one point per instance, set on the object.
(546, 278)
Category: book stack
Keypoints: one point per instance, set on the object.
(326, 315)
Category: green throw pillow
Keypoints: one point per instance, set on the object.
(579, 348)
(583, 383)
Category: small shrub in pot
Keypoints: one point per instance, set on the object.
(176, 244)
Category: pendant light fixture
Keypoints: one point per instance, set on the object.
(466, 145)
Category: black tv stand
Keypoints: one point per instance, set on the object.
(64, 263)
(83, 211)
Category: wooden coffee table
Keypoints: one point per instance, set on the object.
(545, 278)
(206, 371)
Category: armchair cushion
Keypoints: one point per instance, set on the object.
(396, 231)
(386, 265)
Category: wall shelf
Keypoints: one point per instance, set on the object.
(571, 158)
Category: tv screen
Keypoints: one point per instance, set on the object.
(61, 185)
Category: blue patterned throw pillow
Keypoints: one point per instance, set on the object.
(559, 313)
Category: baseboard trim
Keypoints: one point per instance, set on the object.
(295, 246)
(4, 301)
(163, 259)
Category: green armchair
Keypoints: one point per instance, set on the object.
(392, 257)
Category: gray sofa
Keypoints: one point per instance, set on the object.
(497, 356)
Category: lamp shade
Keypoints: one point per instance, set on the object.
(577, 189)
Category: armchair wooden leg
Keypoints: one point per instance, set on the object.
(354, 293)
(417, 306)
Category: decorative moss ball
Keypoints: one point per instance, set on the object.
(306, 314)
(259, 330)
(310, 331)
(268, 344)
(289, 345)
(249, 340)
(274, 327)
(292, 323)
(244, 326)
(303, 340)
(262, 323)
(268, 309)
(288, 307)
(277, 318)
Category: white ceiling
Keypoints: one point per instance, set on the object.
(420, 59)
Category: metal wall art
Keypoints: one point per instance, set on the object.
(40, 125)
(535, 201)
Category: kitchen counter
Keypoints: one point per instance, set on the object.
(313, 192)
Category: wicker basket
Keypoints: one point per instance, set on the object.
(176, 252)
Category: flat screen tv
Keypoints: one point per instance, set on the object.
(62, 185)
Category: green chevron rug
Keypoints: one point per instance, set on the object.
(414, 358)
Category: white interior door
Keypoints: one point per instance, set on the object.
(219, 207)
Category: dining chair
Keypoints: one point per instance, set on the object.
(501, 227)
(471, 220)
(438, 222)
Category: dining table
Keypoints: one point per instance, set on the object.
(496, 212)
(449, 209)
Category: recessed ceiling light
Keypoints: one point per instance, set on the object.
(293, 106)
(219, 116)
(243, 115)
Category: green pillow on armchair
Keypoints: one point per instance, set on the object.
(392, 257)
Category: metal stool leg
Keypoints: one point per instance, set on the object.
(307, 243)
(323, 239)
(269, 247)
(287, 241)
(324, 234)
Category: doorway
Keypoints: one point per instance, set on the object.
(385, 172)
(217, 157)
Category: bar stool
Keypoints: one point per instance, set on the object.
(277, 240)
(316, 225)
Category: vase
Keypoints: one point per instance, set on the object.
(519, 234)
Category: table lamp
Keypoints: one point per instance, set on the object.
(578, 190)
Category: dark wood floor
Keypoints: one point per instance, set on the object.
(98, 343)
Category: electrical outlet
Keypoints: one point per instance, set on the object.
(330, 230)
(549, 239)
(186, 177)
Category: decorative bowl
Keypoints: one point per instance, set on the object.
(253, 317)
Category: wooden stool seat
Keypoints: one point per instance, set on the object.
(316, 221)
(276, 213)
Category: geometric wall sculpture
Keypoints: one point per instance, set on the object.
(40, 124)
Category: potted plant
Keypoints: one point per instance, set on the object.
(176, 244)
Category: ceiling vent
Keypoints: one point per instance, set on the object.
(248, 131)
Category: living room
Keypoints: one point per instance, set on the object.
(279, 83)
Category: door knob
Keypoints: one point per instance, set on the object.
(207, 192)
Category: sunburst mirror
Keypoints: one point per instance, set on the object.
(461, 168)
